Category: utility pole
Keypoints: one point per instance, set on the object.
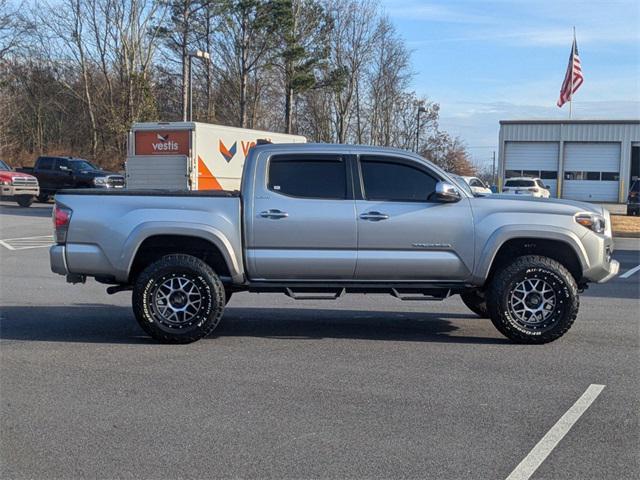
(199, 54)
(493, 169)
(421, 109)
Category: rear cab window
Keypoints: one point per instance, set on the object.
(309, 177)
(45, 163)
(519, 183)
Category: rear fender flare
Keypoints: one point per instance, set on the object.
(205, 232)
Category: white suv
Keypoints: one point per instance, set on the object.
(477, 185)
(526, 186)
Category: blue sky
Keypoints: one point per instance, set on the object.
(486, 61)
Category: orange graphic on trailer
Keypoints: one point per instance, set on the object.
(206, 179)
(163, 142)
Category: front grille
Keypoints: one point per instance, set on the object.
(115, 181)
(24, 181)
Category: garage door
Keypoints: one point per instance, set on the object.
(533, 159)
(591, 171)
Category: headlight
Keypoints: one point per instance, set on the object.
(592, 221)
(101, 181)
(6, 182)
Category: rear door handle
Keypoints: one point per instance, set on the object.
(374, 216)
(273, 214)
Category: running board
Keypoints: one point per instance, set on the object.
(290, 293)
(411, 291)
(422, 296)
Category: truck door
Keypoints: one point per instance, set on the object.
(62, 175)
(303, 224)
(401, 234)
(44, 170)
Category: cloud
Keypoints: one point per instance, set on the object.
(541, 23)
(434, 12)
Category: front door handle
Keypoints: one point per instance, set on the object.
(273, 214)
(374, 216)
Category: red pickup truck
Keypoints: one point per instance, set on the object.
(21, 187)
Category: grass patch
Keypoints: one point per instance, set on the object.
(625, 226)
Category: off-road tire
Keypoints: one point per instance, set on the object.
(476, 302)
(187, 268)
(24, 200)
(506, 281)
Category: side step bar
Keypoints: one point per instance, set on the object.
(409, 291)
(422, 296)
(290, 293)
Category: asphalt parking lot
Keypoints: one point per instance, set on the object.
(364, 387)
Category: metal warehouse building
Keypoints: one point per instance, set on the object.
(591, 160)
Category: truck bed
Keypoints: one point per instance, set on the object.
(149, 193)
(108, 226)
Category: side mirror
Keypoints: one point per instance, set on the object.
(445, 193)
(547, 187)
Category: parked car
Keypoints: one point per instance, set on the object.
(56, 173)
(16, 186)
(477, 185)
(526, 186)
(633, 199)
(316, 221)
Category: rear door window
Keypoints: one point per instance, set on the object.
(322, 178)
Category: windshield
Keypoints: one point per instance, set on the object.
(635, 187)
(519, 183)
(4, 166)
(82, 165)
(461, 184)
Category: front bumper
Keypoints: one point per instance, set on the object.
(614, 268)
(14, 190)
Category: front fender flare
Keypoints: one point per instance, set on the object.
(511, 232)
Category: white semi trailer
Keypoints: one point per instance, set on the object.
(191, 155)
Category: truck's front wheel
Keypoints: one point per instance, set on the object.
(534, 299)
(178, 299)
(24, 200)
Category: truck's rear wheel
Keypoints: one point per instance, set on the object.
(24, 200)
(476, 302)
(43, 197)
(178, 299)
(533, 300)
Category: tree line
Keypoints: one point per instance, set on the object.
(75, 74)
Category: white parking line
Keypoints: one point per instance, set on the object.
(26, 243)
(541, 451)
(630, 272)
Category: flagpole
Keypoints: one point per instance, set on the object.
(573, 54)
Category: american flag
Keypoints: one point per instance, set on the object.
(573, 78)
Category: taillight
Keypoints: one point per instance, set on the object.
(61, 219)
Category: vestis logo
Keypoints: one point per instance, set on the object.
(228, 153)
(164, 144)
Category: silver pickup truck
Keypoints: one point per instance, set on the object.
(318, 221)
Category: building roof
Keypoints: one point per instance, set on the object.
(567, 121)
